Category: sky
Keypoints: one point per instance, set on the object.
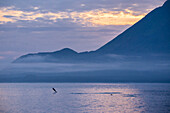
(29, 26)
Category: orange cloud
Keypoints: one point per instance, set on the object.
(87, 18)
(104, 17)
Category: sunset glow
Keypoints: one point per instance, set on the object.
(88, 18)
(103, 17)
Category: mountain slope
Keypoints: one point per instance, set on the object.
(149, 35)
(64, 54)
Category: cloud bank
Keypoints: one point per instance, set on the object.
(86, 18)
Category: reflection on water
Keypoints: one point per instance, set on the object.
(84, 98)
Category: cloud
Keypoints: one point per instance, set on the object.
(35, 68)
(82, 5)
(1, 57)
(8, 52)
(8, 55)
(116, 56)
(35, 8)
(86, 18)
(106, 17)
(35, 29)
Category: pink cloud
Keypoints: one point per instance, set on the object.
(1, 57)
(8, 53)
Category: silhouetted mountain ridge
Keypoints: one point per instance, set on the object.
(149, 35)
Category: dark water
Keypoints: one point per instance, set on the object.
(84, 98)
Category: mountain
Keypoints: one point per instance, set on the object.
(64, 54)
(149, 36)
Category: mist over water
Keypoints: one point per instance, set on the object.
(76, 67)
(117, 71)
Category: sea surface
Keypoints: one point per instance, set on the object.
(85, 98)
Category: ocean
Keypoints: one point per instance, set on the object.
(85, 98)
